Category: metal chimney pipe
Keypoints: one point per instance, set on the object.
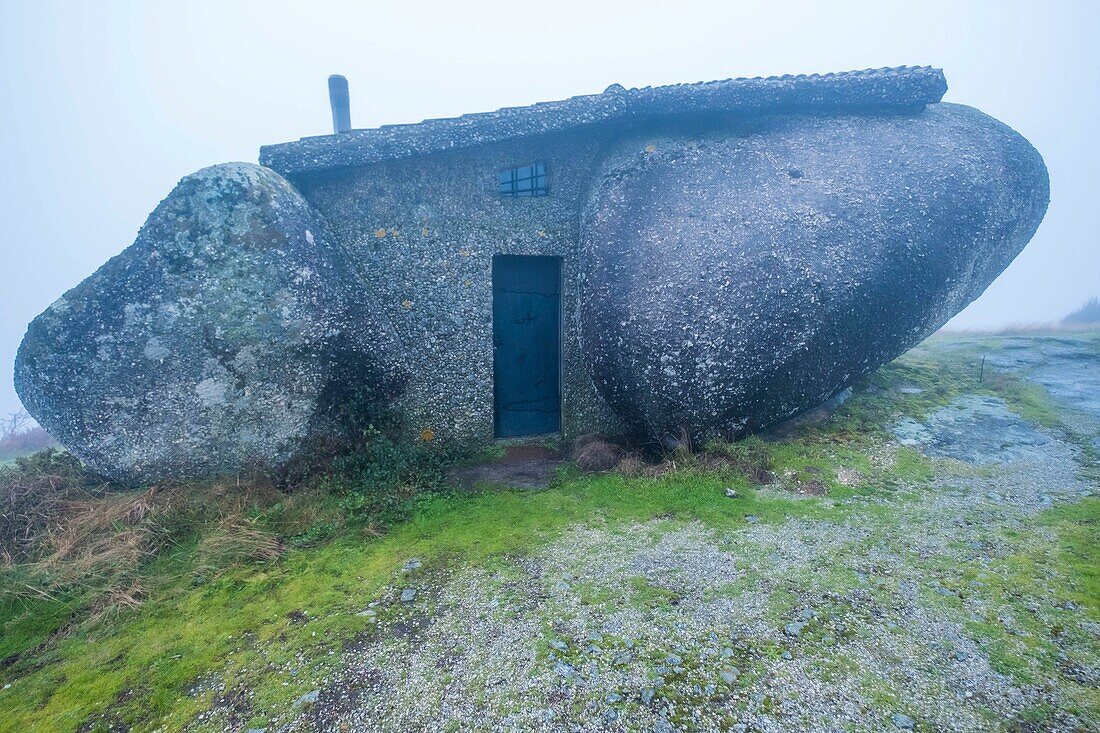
(340, 102)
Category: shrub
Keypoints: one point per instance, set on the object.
(750, 456)
(594, 453)
(375, 478)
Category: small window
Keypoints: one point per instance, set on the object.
(530, 180)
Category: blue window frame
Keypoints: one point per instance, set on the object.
(529, 180)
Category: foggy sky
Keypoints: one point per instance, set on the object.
(105, 106)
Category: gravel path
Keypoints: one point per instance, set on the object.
(866, 624)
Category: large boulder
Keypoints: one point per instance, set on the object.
(739, 277)
(223, 337)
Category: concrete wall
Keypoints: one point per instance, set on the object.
(426, 230)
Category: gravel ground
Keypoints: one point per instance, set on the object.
(865, 624)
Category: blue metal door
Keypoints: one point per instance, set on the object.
(526, 345)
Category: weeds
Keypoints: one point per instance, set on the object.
(34, 494)
(376, 478)
(750, 457)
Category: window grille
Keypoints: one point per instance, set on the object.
(529, 180)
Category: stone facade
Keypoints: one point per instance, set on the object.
(425, 231)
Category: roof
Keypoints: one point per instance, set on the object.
(902, 87)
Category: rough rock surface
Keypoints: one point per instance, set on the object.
(734, 280)
(220, 338)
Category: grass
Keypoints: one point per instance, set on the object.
(241, 622)
(237, 600)
(1078, 530)
(240, 625)
(1035, 587)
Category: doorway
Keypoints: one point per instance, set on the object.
(526, 345)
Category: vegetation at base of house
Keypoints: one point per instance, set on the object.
(143, 607)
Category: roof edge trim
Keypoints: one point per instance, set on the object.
(902, 87)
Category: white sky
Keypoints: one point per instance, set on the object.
(104, 106)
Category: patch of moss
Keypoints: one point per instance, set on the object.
(650, 596)
(1038, 594)
(1078, 559)
(1026, 399)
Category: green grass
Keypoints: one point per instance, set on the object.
(1078, 530)
(240, 626)
(1035, 585)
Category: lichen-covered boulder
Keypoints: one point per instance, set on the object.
(738, 277)
(223, 337)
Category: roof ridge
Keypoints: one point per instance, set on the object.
(828, 74)
(890, 87)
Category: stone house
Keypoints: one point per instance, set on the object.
(674, 263)
(469, 230)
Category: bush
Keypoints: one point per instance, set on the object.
(375, 478)
(34, 494)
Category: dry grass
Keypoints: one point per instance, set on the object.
(95, 531)
(594, 453)
(35, 495)
(234, 541)
(65, 531)
(116, 600)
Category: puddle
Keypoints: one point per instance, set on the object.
(973, 429)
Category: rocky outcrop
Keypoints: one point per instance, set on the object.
(737, 278)
(222, 337)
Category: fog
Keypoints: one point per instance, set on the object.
(103, 107)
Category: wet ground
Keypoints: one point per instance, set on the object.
(1065, 366)
(938, 609)
(976, 429)
(521, 467)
